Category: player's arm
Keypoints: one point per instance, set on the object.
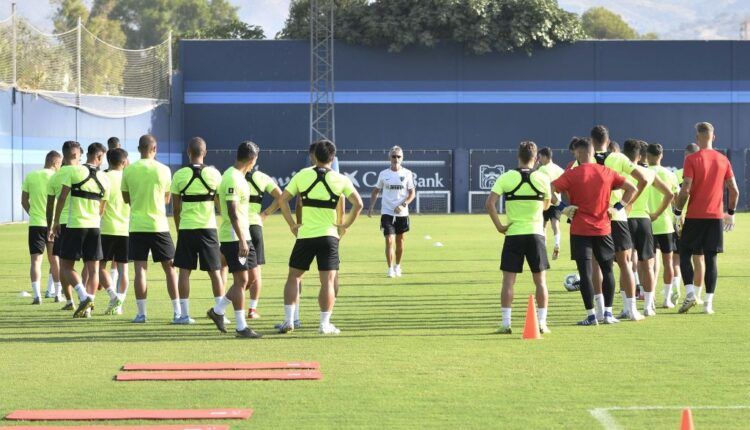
(298, 210)
(340, 208)
(640, 175)
(683, 195)
(630, 193)
(102, 207)
(58, 210)
(286, 211)
(275, 204)
(356, 200)
(167, 197)
(25, 202)
(663, 188)
(409, 197)
(373, 199)
(734, 194)
(491, 206)
(176, 210)
(126, 197)
(235, 220)
(50, 210)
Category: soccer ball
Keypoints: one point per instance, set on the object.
(572, 282)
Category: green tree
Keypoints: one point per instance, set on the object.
(67, 13)
(602, 23)
(233, 30)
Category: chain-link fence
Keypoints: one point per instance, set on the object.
(76, 68)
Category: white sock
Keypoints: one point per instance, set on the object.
(217, 300)
(698, 291)
(541, 315)
(240, 317)
(629, 304)
(599, 305)
(325, 318)
(296, 312)
(121, 296)
(81, 292)
(185, 307)
(112, 293)
(608, 309)
(624, 299)
(253, 304)
(50, 285)
(506, 316)
(637, 279)
(141, 304)
(70, 302)
(589, 312)
(289, 314)
(397, 267)
(676, 282)
(668, 291)
(689, 290)
(36, 289)
(557, 240)
(648, 297)
(176, 309)
(709, 302)
(58, 288)
(221, 305)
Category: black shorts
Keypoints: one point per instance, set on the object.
(114, 248)
(665, 242)
(37, 240)
(700, 236)
(676, 239)
(256, 236)
(195, 245)
(324, 249)
(57, 246)
(231, 252)
(159, 244)
(585, 247)
(525, 246)
(621, 236)
(553, 212)
(394, 224)
(81, 243)
(643, 237)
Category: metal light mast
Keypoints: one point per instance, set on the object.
(322, 118)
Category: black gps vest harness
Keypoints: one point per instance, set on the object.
(197, 175)
(525, 179)
(77, 191)
(254, 199)
(317, 203)
(600, 157)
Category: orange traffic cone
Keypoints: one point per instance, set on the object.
(531, 327)
(687, 420)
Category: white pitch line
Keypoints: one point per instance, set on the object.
(610, 423)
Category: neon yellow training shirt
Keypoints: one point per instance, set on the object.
(525, 216)
(318, 222)
(35, 185)
(233, 188)
(665, 223)
(266, 185)
(553, 171)
(83, 212)
(622, 165)
(196, 215)
(147, 181)
(639, 208)
(117, 213)
(53, 189)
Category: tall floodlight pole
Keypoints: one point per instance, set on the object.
(322, 118)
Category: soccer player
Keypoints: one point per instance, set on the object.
(318, 235)
(114, 237)
(193, 195)
(88, 190)
(699, 264)
(260, 184)
(527, 196)
(234, 234)
(663, 224)
(707, 173)
(589, 187)
(145, 186)
(113, 143)
(33, 201)
(640, 219)
(397, 185)
(551, 214)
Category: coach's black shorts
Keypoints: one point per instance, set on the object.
(665, 242)
(159, 244)
(81, 243)
(394, 224)
(57, 246)
(324, 249)
(256, 236)
(114, 248)
(701, 236)
(585, 247)
(231, 252)
(37, 240)
(621, 236)
(201, 244)
(525, 246)
(643, 237)
(553, 212)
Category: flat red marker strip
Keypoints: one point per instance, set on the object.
(129, 414)
(142, 427)
(219, 376)
(224, 366)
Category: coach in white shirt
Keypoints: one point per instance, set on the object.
(397, 185)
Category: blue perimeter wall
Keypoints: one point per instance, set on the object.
(444, 98)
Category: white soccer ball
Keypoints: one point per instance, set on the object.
(572, 282)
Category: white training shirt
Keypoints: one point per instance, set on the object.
(395, 187)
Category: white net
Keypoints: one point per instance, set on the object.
(76, 68)
(433, 202)
(478, 199)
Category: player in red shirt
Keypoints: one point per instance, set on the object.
(706, 175)
(589, 187)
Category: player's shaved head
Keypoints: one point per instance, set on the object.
(117, 157)
(632, 149)
(196, 147)
(113, 143)
(546, 152)
(70, 148)
(146, 143)
(692, 149)
(51, 159)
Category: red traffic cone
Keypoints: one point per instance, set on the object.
(531, 327)
(687, 420)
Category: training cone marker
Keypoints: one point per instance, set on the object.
(438, 244)
(24, 294)
(531, 327)
(687, 420)
(427, 237)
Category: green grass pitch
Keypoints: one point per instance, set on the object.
(414, 352)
